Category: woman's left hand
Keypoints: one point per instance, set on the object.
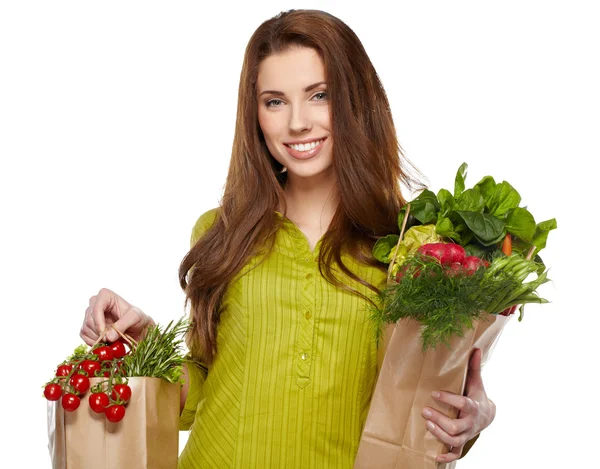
(476, 412)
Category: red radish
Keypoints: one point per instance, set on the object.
(402, 272)
(472, 263)
(455, 269)
(446, 253)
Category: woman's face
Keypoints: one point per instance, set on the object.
(291, 110)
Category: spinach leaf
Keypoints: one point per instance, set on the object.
(486, 186)
(425, 207)
(445, 227)
(447, 202)
(520, 222)
(541, 233)
(471, 201)
(487, 228)
(502, 199)
(459, 181)
(383, 248)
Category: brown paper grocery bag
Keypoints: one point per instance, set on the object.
(146, 438)
(395, 436)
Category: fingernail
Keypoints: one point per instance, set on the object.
(112, 336)
(427, 413)
(435, 394)
(430, 425)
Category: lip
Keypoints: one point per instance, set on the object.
(305, 155)
(306, 140)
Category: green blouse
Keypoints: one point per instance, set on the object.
(295, 370)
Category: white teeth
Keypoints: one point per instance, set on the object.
(305, 146)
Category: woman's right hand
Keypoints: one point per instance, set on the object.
(107, 308)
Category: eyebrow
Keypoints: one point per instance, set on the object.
(308, 88)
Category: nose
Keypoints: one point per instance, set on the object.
(299, 119)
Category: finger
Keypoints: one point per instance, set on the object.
(101, 304)
(440, 434)
(132, 317)
(452, 427)
(474, 380)
(464, 404)
(87, 339)
(452, 455)
(86, 331)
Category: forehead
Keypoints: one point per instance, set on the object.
(290, 70)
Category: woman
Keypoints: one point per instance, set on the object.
(280, 275)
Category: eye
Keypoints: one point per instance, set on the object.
(320, 93)
(270, 103)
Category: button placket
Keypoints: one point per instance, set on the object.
(304, 349)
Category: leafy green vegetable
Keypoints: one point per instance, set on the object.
(486, 228)
(382, 250)
(502, 198)
(424, 208)
(521, 223)
(447, 202)
(459, 181)
(541, 233)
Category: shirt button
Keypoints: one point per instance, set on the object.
(304, 356)
(309, 276)
(308, 315)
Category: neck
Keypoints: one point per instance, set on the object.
(311, 202)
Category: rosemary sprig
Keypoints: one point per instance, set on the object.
(160, 353)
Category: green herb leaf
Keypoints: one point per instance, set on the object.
(459, 180)
(160, 353)
(487, 228)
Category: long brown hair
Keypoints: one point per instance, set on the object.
(367, 158)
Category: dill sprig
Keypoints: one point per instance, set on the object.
(160, 353)
(445, 302)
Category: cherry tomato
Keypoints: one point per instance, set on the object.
(115, 413)
(90, 367)
(104, 353)
(81, 383)
(98, 402)
(53, 391)
(122, 390)
(70, 402)
(64, 370)
(118, 349)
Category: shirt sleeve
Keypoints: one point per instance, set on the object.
(197, 371)
(202, 225)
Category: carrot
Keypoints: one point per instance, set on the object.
(507, 249)
(507, 245)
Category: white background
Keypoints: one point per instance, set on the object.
(116, 124)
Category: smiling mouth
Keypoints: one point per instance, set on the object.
(305, 147)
